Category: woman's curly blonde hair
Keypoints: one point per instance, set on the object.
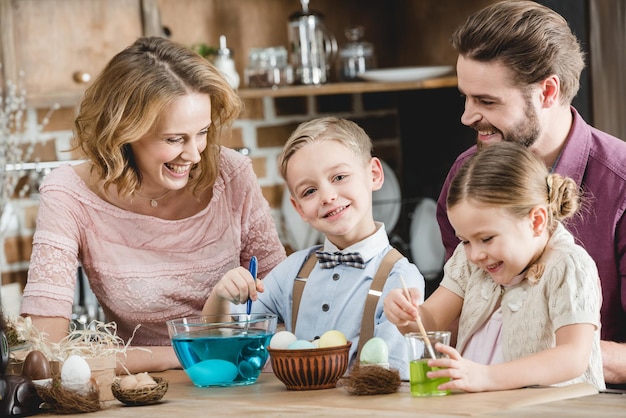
(124, 103)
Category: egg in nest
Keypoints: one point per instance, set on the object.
(76, 374)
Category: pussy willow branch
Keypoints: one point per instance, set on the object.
(18, 136)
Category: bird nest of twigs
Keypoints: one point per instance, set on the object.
(142, 396)
(60, 400)
(371, 380)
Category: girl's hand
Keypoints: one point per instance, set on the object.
(237, 285)
(465, 375)
(399, 310)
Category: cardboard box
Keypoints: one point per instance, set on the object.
(103, 372)
(14, 368)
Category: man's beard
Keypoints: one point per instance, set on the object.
(525, 132)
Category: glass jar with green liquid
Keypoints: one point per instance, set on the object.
(419, 354)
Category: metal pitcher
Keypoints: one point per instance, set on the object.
(313, 48)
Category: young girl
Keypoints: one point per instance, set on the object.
(526, 295)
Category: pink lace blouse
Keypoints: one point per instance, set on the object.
(145, 270)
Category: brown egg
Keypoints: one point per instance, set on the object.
(128, 382)
(36, 366)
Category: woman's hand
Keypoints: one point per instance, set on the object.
(147, 359)
(465, 375)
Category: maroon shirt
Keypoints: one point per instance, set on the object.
(597, 162)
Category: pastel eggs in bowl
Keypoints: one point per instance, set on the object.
(310, 368)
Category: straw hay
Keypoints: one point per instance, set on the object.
(59, 400)
(371, 380)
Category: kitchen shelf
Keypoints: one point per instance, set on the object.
(347, 88)
(72, 99)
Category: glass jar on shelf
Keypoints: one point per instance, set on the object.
(356, 56)
(268, 67)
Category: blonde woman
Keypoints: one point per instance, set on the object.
(159, 212)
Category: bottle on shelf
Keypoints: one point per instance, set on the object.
(224, 62)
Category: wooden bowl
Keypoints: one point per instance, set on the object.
(310, 369)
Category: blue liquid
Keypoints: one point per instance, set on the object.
(216, 359)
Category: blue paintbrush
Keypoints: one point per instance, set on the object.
(252, 269)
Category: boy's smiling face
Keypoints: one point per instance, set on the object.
(331, 188)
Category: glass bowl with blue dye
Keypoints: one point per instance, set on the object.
(222, 350)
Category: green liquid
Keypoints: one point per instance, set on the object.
(422, 385)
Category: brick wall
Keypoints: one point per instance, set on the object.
(263, 128)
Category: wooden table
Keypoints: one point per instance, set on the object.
(268, 397)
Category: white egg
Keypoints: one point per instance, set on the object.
(75, 373)
(282, 339)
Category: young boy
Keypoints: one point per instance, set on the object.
(328, 166)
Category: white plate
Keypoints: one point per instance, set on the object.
(427, 247)
(387, 201)
(299, 234)
(407, 73)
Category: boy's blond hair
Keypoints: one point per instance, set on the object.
(330, 128)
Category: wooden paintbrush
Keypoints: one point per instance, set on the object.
(429, 346)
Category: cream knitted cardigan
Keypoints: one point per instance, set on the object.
(562, 288)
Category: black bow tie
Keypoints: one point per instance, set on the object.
(330, 260)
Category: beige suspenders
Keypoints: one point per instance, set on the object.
(376, 288)
(298, 286)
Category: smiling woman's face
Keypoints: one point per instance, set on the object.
(167, 153)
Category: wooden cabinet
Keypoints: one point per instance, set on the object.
(404, 33)
(59, 45)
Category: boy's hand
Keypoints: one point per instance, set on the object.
(237, 285)
(399, 310)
